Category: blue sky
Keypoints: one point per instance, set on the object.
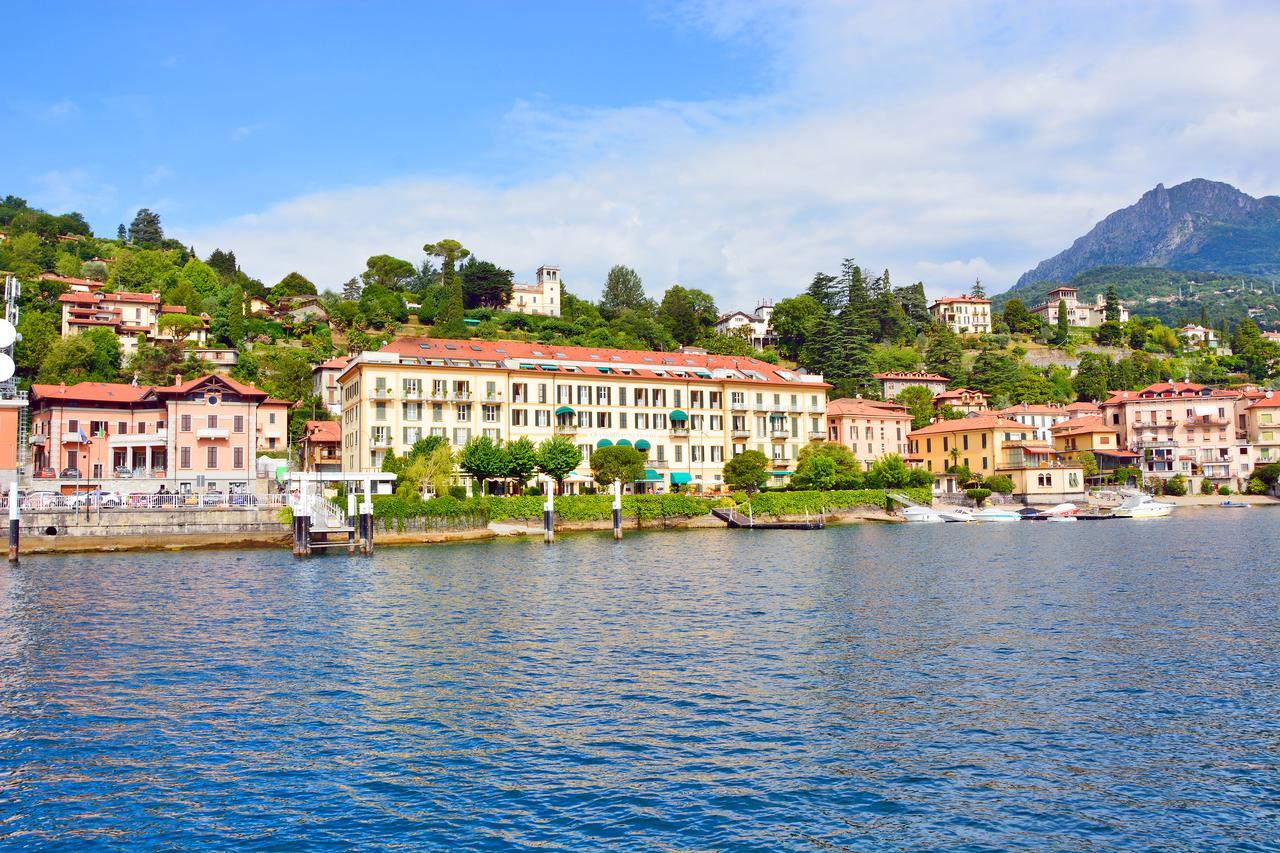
(737, 147)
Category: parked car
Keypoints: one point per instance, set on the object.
(213, 499)
(96, 497)
(242, 499)
(42, 500)
(70, 473)
(45, 473)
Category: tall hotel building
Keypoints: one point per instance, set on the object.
(688, 411)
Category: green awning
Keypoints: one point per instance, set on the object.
(564, 410)
(678, 415)
(650, 476)
(623, 442)
(780, 473)
(641, 444)
(604, 442)
(680, 478)
(549, 367)
(524, 365)
(702, 373)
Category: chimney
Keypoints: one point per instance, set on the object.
(177, 379)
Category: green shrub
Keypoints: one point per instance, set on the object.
(999, 483)
(458, 492)
(1206, 488)
(978, 496)
(1256, 487)
(1176, 486)
(797, 503)
(1224, 490)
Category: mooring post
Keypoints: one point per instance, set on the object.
(366, 518)
(549, 513)
(14, 526)
(302, 523)
(617, 510)
(351, 522)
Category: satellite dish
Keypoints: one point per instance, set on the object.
(6, 367)
(8, 334)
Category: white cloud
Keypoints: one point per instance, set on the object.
(942, 140)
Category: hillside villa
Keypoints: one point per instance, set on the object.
(1079, 314)
(964, 315)
(128, 315)
(964, 400)
(895, 382)
(1041, 417)
(758, 325)
(541, 297)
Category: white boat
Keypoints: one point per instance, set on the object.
(956, 514)
(922, 514)
(992, 513)
(1142, 506)
(1060, 510)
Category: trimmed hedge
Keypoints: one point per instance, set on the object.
(796, 503)
(394, 511)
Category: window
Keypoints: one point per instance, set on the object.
(211, 456)
(697, 453)
(717, 453)
(965, 438)
(122, 428)
(184, 425)
(411, 411)
(271, 417)
(542, 417)
(464, 413)
(489, 414)
(622, 420)
(461, 435)
(437, 413)
(380, 411)
(238, 423)
(678, 451)
(237, 457)
(519, 417)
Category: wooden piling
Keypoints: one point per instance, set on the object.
(15, 530)
(617, 510)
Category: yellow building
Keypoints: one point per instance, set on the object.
(990, 445)
(1263, 428)
(688, 411)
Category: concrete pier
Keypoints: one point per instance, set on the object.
(15, 528)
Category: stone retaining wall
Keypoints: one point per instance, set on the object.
(120, 529)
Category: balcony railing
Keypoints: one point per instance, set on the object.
(380, 442)
(1208, 420)
(817, 435)
(679, 430)
(566, 429)
(738, 405)
(412, 394)
(741, 433)
(381, 394)
(655, 463)
(780, 433)
(158, 437)
(213, 432)
(1143, 445)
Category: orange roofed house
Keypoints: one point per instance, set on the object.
(1092, 434)
(895, 382)
(964, 315)
(128, 315)
(322, 446)
(988, 445)
(136, 437)
(869, 428)
(962, 400)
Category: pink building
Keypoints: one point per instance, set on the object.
(1185, 428)
(127, 314)
(114, 435)
(869, 428)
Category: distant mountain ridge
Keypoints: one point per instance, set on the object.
(1198, 225)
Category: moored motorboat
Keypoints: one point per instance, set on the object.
(1234, 505)
(1061, 509)
(955, 514)
(1142, 506)
(925, 514)
(992, 513)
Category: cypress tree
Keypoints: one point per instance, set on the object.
(857, 325)
(1064, 329)
(1113, 305)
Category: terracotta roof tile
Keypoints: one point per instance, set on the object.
(985, 421)
(856, 407)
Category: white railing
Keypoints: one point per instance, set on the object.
(122, 502)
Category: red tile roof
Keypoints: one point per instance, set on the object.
(336, 363)
(958, 393)
(987, 421)
(645, 364)
(857, 407)
(946, 300)
(92, 392)
(323, 432)
(1083, 407)
(1270, 401)
(1033, 409)
(1081, 426)
(212, 379)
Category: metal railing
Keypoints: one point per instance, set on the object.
(38, 501)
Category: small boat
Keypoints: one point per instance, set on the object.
(956, 514)
(1061, 518)
(1234, 505)
(992, 513)
(1061, 509)
(926, 514)
(1142, 506)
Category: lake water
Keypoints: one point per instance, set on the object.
(1022, 686)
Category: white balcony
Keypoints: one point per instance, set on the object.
(780, 433)
(381, 394)
(380, 442)
(213, 432)
(140, 438)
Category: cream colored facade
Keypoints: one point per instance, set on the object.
(964, 315)
(688, 412)
(541, 297)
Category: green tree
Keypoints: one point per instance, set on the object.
(856, 322)
(687, 314)
(284, 372)
(293, 284)
(823, 352)
(793, 321)
(1063, 331)
(748, 470)
(522, 461)
(1093, 377)
(914, 304)
(944, 355)
(223, 263)
(200, 277)
(39, 330)
(91, 356)
(919, 402)
(142, 270)
(449, 313)
(387, 271)
(978, 291)
(892, 323)
(1019, 320)
(179, 326)
(826, 291)
(826, 465)
(816, 472)
(1112, 311)
(557, 457)
(624, 289)
(994, 373)
(888, 472)
(145, 229)
(1089, 462)
(486, 285)
(617, 463)
(484, 459)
